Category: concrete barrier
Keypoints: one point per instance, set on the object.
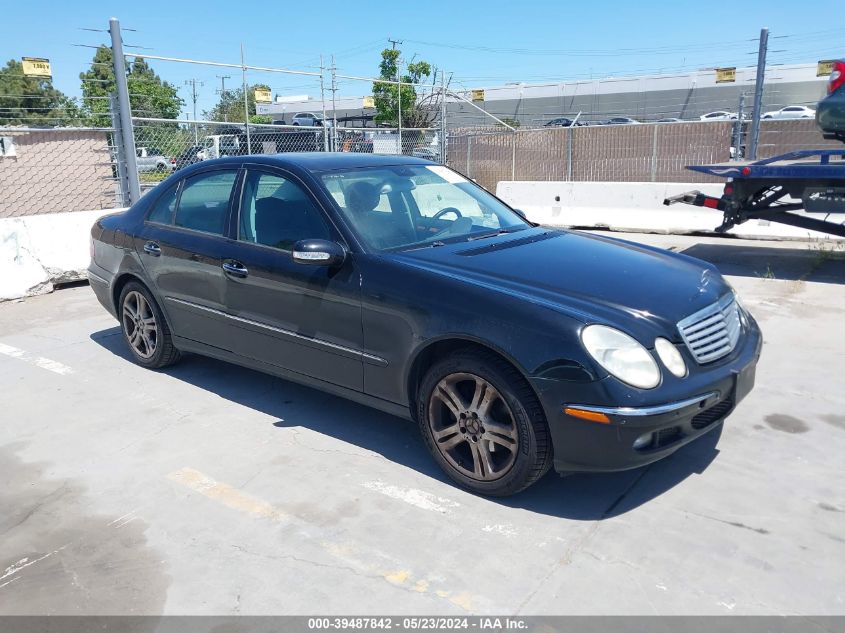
(39, 251)
(635, 206)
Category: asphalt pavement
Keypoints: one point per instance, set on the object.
(212, 489)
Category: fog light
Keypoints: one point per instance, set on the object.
(642, 441)
(671, 357)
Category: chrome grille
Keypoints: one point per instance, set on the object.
(712, 332)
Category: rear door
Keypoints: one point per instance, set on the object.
(304, 318)
(181, 246)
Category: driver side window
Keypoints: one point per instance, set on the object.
(277, 212)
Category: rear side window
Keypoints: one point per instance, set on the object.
(163, 210)
(204, 203)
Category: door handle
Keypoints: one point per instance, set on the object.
(151, 248)
(235, 268)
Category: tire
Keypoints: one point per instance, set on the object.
(161, 167)
(144, 328)
(491, 392)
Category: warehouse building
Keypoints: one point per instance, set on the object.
(684, 96)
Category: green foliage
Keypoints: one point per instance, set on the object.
(33, 101)
(514, 123)
(388, 98)
(259, 119)
(230, 106)
(149, 95)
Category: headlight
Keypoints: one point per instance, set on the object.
(671, 357)
(621, 355)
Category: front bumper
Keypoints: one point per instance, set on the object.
(661, 426)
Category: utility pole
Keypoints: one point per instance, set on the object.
(334, 106)
(246, 104)
(193, 84)
(399, 103)
(758, 93)
(323, 102)
(394, 42)
(222, 93)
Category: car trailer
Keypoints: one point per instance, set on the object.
(813, 179)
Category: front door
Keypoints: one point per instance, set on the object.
(301, 317)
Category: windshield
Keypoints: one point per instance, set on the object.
(414, 206)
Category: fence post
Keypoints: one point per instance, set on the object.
(125, 112)
(654, 153)
(569, 153)
(758, 94)
(513, 156)
(119, 152)
(443, 118)
(469, 157)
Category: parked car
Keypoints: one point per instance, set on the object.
(152, 159)
(791, 112)
(307, 118)
(830, 111)
(669, 120)
(189, 156)
(621, 120)
(719, 115)
(404, 286)
(559, 122)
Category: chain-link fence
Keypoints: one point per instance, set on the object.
(163, 146)
(45, 170)
(628, 153)
(780, 137)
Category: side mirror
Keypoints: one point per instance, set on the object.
(318, 253)
(520, 213)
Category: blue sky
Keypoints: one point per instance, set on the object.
(479, 42)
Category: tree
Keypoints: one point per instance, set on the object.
(149, 95)
(230, 106)
(33, 101)
(387, 97)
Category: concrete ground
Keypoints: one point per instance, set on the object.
(211, 489)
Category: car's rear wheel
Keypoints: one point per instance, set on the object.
(145, 329)
(483, 424)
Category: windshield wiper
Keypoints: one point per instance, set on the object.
(472, 238)
(434, 244)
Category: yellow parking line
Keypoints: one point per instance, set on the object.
(236, 500)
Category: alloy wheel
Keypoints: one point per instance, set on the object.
(473, 427)
(139, 324)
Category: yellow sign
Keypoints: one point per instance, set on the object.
(824, 68)
(478, 95)
(725, 75)
(36, 67)
(263, 95)
(369, 102)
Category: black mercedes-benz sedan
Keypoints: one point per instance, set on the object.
(398, 283)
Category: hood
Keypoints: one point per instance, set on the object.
(588, 277)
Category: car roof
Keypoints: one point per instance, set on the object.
(323, 161)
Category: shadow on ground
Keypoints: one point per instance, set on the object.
(583, 497)
(825, 264)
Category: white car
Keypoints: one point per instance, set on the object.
(791, 112)
(719, 115)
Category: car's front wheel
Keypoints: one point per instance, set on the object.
(483, 424)
(145, 329)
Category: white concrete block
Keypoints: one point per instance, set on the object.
(41, 250)
(635, 206)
